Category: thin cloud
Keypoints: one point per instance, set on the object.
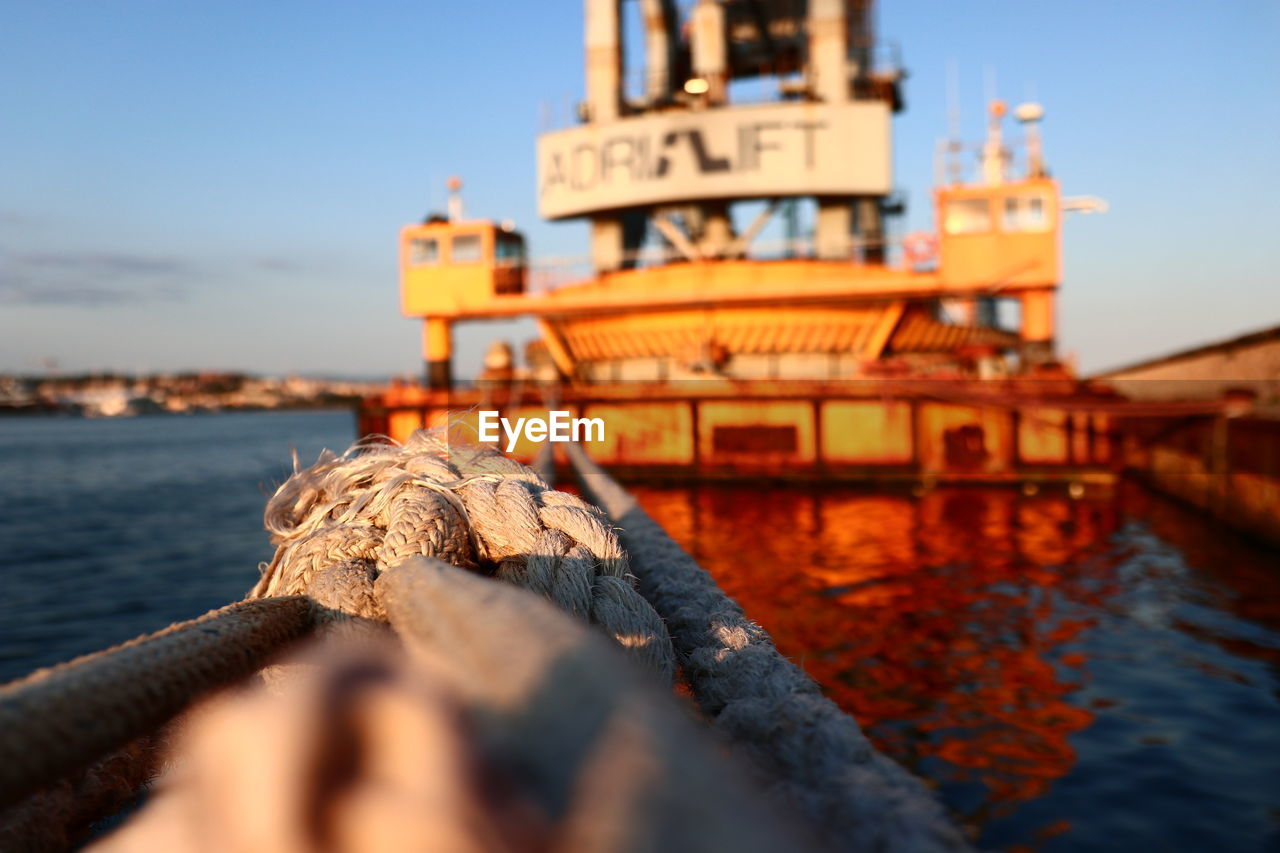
(107, 264)
(14, 219)
(280, 265)
(91, 278)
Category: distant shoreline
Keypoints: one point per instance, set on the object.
(54, 412)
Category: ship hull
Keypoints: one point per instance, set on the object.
(855, 431)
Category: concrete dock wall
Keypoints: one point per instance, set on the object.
(1228, 467)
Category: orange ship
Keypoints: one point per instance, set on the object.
(842, 353)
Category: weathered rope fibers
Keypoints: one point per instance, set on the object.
(810, 753)
(342, 522)
(58, 720)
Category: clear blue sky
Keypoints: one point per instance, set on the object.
(191, 185)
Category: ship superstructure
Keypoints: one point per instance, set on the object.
(659, 173)
(710, 347)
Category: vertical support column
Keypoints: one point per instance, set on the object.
(603, 43)
(833, 230)
(606, 243)
(829, 50)
(1038, 326)
(791, 226)
(659, 41)
(603, 24)
(862, 38)
(870, 227)
(711, 63)
(828, 72)
(711, 50)
(717, 232)
(437, 351)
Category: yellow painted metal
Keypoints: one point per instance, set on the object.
(957, 439)
(736, 283)
(826, 316)
(918, 332)
(999, 237)
(867, 432)
(1042, 436)
(643, 433)
(884, 327)
(1103, 449)
(1038, 315)
(756, 417)
(1080, 449)
(437, 279)
(992, 261)
(437, 339)
(526, 450)
(402, 422)
(685, 333)
(556, 347)
(448, 292)
(710, 428)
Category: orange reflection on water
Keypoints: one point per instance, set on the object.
(942, 623)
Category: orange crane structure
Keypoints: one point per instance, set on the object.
(847, 352)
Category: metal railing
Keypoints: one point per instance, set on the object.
(551, 273)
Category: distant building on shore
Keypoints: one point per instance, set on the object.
(1250, 362)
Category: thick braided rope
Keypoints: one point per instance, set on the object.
(810, 753)
(57, 720)
(60, 816)
(340, 523)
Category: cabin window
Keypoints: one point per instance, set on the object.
(967, 216)
(509, 250)
(465, 249)
(424, 251)
(1025, 212)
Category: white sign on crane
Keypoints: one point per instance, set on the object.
(801, 149)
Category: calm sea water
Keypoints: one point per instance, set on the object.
(1098, 674)
(1070, 675)
(113, 528)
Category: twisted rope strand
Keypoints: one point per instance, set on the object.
(339, 524)
(810, 753)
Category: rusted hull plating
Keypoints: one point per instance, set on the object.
(845, 431)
